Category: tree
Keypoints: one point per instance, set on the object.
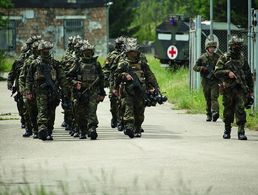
(121, 15)
(4, 4)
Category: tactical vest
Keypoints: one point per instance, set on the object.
(137, 69)
(236, 66)
(39, 75)
(88, 73)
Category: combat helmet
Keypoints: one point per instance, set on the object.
(210, 44)
(236, 41)
(120, 41)
(33, 38)
(131, 45)
(45, 45)
(87, 49)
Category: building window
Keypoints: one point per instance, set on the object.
(8, 36)
(72, 27)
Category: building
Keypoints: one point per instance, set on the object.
(55, 20)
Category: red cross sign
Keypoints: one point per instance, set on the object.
(172, 52)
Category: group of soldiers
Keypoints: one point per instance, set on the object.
(78, 80)
(229, 75)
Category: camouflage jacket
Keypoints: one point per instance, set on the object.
(14, 74)
(142, 70)
(239, 67)
(24, 72)
(87, 71)
(206, 61)
(37, 78)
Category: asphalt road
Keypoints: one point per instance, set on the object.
(178, 154)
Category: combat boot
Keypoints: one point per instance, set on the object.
(129, 131)
(64, 124)
(42, 133)
(119, 126)
(241, 132)
(27, 133)
(92, 133)
(215, 116)
(227, 131)
(209, 117)
(138, 133)
(35, 136)
(76, 134)
(113, 123)
(83, 135)
(49, 136)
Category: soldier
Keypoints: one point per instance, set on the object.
(206, 65)
(44, 77)
(87, 78)
(13, 81)
(31, 106)
(67, 62)
(109, 67)
(236, 75)
(132, 78)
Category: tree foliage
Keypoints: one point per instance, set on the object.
(4, 4)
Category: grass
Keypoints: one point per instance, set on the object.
(5, 63)
(176, 86)
(100, 182)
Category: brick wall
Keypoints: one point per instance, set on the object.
(49, 22)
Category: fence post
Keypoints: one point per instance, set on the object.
(256, 59)
(198, 49)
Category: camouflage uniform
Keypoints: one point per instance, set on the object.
(236, 75)
(109, 67)
(87, 78)
(67, 62)
(132, 91)
(30, 105)
(44, 77)
(13, 81)
(206, 65)
(13, 78)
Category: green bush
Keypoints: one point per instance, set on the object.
(5, 63)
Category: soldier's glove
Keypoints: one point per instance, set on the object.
(100, 98)
(9, 85)
(249, 100)
(115, 92)
(29, 96)
(232, 75)
(203, 69)
(78, 85)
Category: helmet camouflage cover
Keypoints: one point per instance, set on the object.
(235, 40)
(211, 44)
(131, 45)
(45, 45)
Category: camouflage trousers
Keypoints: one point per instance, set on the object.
(46, 104)
(233, 101)
(85, 113)
(113, 106)
(133, 111)
(211, 94)
(31, 114)
(20, 107)
(68, 113)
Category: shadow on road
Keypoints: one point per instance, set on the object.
(106, 133)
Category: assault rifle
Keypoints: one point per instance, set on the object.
(241, 81)
(210, 69)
